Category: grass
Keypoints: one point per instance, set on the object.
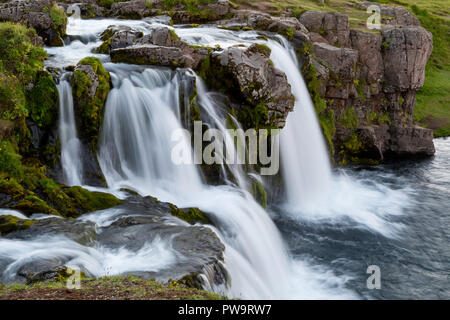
(106, 288)
(432, 109)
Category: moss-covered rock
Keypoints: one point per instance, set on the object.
(44, 16)
(91, 85)
(42, 101)
(248, 76)
(191, 215)
(259, 193)
(10, 224)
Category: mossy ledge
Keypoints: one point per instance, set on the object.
(91, 86)
(106, 288)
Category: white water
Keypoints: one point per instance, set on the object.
(136, 153)
(95, 261)
(305, 163)
(142, 112)
(70, 144)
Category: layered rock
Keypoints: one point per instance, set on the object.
(161, 47)
(364, 84)
(43, 15)
(247, 75)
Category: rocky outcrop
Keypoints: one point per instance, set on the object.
(288, 26)
(161, 47)
(90, 85)
(395, 16)
(117, 37)
(43, 15)
(197, 251)
(332, 26)
(248, 75)
(364, 83)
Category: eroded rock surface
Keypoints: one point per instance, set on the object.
(43, 15)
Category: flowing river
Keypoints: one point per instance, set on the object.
(315, 243)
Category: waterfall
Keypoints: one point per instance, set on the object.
(70, 145)
(305, 162)
(135, 152)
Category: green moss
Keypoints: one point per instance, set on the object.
(10, 224)
(324, 114)
(384, 119)
(59, 18)
(191, 215)
(111, 288)
(87, 201)
(89, 110)
(349, 119)
(33, 204)
(10, 161)
(42, 101)
(259, 193)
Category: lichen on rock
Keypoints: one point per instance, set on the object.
(91, 86)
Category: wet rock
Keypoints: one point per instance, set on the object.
(132, 226)
(43, 15)
(411, 141)
(80, 231)
(90, 85)
(116, 37)
(161, 47)
(332, 26)
(10, 224)
(134, 9)
(248, 73)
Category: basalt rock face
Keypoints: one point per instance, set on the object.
(161, 47)
(364, 84)
(43, 15)
(263, 93)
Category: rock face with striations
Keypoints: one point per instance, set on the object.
(161, 47)
(248, 73)
(43, 15)
(366, 83)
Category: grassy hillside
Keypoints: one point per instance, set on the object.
(433, 100)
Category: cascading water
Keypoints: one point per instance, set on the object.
(305, 162)
(135, 152)
(70, 145)
(142, 112)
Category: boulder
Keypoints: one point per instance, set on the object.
(405, 56)
(286, 26)
(161, 47)
(396, 16)
(249, 73)
(43, 15)
(332, 26)
(116, 37)
(411, 141)
(90, 85)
